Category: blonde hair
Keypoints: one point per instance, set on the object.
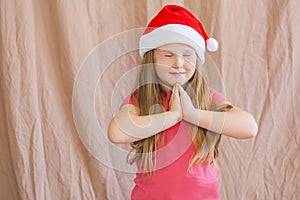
(149, 94)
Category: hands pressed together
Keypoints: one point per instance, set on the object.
(181, 103)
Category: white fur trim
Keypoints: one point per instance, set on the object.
(173, 33)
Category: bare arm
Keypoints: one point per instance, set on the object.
(127, 126)
(234, 123)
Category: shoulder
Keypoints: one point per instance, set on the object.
(130, 99)
(217, 98)
(129, 105)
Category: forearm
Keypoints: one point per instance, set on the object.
(235, 123)
(126, 128)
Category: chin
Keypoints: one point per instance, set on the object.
(171, 84)
(182, 83)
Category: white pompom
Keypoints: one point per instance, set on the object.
(212, 44)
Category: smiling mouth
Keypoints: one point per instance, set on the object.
(177, 73)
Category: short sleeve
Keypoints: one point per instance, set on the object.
(127, 100)
(216, 97)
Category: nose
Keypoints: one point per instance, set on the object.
(178, 62)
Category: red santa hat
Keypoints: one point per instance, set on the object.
(175, 24)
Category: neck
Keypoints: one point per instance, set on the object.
(165, 87)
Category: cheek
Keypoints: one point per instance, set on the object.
(191, 69)
(191, 66)
(160, 70)
(191, 74)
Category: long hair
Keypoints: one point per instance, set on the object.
(149, 98)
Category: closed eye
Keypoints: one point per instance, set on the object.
(168, 55)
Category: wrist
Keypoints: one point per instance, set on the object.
(175, 116)
(192, 116)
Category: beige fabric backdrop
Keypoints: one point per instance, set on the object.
(45, 152)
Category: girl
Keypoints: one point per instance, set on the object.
(173, 120)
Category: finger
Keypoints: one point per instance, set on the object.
(177, 89)
(181, 90)
(176, 93)
(173, 96)
(173, 89)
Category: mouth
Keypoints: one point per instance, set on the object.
(177, 73)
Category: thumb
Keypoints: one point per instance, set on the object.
(175, 90)
(181, 90)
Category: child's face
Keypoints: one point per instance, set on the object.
(175, 63)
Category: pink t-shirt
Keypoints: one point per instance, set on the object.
(171, 179)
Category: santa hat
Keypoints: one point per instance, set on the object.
(175, 24)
